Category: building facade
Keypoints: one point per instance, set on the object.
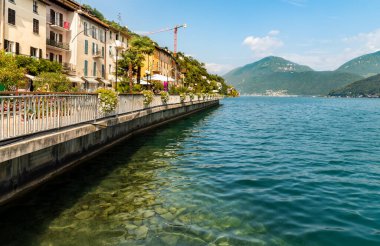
(161, 62)
(89, 51)
(117, 44)
(23, 27)
(64, 32)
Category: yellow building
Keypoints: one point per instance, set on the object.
(161, 62)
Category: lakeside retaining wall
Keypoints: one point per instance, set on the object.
(27, 163)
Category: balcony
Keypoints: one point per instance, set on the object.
(97, 54)
(57, 45)
(58, 25)
(69, 69)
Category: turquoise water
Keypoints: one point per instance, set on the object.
(255, 171)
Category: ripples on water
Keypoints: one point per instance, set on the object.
(256, 171)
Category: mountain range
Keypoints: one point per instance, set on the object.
(368, 87)
(276, 73)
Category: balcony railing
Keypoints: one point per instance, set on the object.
(97, 54)
(60, 45)
(61, 24)
(69, 68)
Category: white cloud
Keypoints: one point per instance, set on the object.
(274, 33)
(328, 55)
(366, 42)
(263, 46)
(220, 69)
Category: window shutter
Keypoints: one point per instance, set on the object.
(6, 45)
(85, 67)
(17, 48)
(60, 19)
(52, 16)
(40, 54)
(86, 47)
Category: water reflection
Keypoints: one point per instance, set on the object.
(111, 200)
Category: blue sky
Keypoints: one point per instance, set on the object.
(225, 34)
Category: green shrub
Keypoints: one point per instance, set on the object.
(191, 95)
(182, 97)
(10, 74)
(123, 85)
(173, 90)
(137, 88)
(52, 82)
(35, 66)
(108, 100)
(148, 97)
(157, 86)
(182, 89)
(164, 97)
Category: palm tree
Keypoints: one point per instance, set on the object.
(134, 57)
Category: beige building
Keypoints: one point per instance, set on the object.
(117, 43)
(89, 50)
(23, 27)
(59, 17)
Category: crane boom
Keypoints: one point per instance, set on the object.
(169, 29)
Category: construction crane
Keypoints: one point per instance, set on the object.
(169, 29)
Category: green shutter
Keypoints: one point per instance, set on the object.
(85, 68)
(94, 71)
(86, 47)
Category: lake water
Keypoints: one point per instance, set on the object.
(255, 171)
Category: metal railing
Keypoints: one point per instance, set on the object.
(57, 44)
(28, 114)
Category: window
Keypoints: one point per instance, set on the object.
(36, 26)
(35, 6)
(101, 35)
(51, 57)
(94, 32)
(12, 16)
(117, 36)
(60, 59)
(85, 27)
(52, 17)
(12, 47)
(94, 70)
(86, 47)
(122, 39)
(103, 52)
(93, 48)
(33, 52)
(110, 51)
(103, 71)
(110, 35)
(60, 20)
(86, 68)
(11, 1)
(110, 69)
